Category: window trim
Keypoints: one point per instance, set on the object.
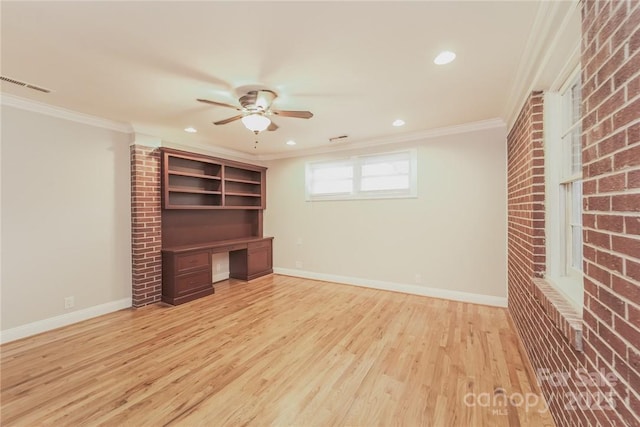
(559, 272)
(356, 194)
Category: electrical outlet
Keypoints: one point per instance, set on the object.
(299, 241)
(298, 264)
(418, 278)
(69, 302)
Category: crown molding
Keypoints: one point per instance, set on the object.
(415, 137)
(212, 150)
(543, 40)
(62, 113)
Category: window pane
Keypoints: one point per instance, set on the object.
(576, 250)
(575, 225)
(332, 186)
(386, 168)
(375, 183)
(576, 150)
(385, 172)
(575, 102)
(363, 177)
(332, 172)
(576, 202)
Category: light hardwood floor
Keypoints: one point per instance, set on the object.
(277, 351)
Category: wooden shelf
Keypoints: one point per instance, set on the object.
(194, 175)
(191, 190)
(241, 194)
(244, 181)
(194, 181)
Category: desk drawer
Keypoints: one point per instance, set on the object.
(258, 245)
(192, 261)
(237, 247)
(193, 282)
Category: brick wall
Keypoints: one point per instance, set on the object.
(146, 237)
(611, 157)
(611, 172)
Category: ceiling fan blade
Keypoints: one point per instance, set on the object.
(229, 120)
(297, 114)
(221, 104)
(272, 127)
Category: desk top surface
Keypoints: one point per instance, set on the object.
(214, 245)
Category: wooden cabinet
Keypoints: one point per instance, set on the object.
(210, 205)
(192, 181)
(186, 270)
(186, 276)
(256, 261)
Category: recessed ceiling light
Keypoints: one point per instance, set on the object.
(191, 130)
(398, 122)
(444, 57)
(291, 142)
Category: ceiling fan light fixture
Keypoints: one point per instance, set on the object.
(256, 122)
(444, 58)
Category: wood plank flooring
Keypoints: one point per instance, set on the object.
(277, 351)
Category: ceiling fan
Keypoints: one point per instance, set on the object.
(256, 109)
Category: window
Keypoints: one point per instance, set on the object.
(563, 195)
(387, 175)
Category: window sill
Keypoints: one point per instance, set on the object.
(563, 314)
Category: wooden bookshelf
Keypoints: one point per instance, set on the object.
(192, 181)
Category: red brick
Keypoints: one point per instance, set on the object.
(613, 302)
(596, 238)
(629, 157)
(609, 261)
(610, 223)
(625, 245)
(632, 270)
(633, 314)
(633, 134)
(630, 68)
(601, 312)
(599, 167)
(612, 183)
(626, 289)
(626, 331)
(598, 203)
(627, 114)
(626, 203)
(633, 179)
(612, 143)
(632, 225)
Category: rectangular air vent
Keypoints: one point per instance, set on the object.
(24, 84)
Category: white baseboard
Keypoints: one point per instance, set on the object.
(218, 277)
(62, 320)
(398, 287)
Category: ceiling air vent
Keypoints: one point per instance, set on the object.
(338, 138)
(24, 84)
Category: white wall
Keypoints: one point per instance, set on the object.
(453, 235)
(65, 218)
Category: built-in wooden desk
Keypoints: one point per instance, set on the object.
(187, 269)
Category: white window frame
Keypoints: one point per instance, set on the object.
(357, 162)
(558, 178)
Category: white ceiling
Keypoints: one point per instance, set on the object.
(356, 65)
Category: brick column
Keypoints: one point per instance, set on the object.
(525, 165)
(146, 235)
